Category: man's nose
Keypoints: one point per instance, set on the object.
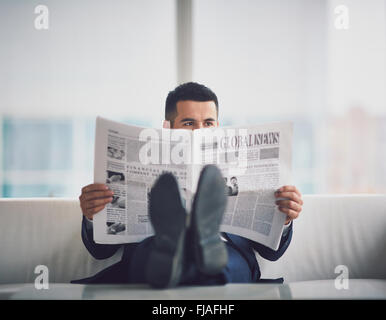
(198, 125)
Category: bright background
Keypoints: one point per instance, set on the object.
(267, 60)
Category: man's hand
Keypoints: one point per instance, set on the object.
(292, 205)
(93, 199)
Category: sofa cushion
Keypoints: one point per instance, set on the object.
(334, 230)
(44, 231)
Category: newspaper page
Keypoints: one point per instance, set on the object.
(128, 160)
(254, 161)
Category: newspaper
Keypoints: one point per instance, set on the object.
(254, 161)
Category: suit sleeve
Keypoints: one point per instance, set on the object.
(268, 253)
(98, 251)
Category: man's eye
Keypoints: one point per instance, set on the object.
(188, 124)
(209, 124)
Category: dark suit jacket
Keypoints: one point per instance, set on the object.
(117, 273)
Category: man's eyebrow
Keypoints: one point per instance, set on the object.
(193, 120)
(188, 119)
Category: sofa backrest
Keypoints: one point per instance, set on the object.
(44, 231)
(331, 231)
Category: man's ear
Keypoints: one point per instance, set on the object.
(166, 124)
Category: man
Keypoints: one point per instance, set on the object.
(182, 251)
(233, 189)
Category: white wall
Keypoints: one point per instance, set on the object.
(267, 60)
(263, 58)
(116, 59)
(286, 58)
(111, 58)
(357, 58)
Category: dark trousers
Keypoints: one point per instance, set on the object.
(237, 269)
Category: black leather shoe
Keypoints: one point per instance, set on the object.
(207, 212)
(168, 218)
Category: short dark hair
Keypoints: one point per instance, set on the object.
(187, 91)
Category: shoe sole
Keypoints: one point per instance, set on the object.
(208, 209)
(168, 218)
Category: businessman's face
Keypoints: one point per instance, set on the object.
(195, 115)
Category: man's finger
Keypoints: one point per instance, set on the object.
(289, 189)
(95, 187)
(290, 195)
(292, 214)
(96, 203)
(289, 204)
(97, 195)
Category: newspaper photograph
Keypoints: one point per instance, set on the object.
(254, 161)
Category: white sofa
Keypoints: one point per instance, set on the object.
(332, 230)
